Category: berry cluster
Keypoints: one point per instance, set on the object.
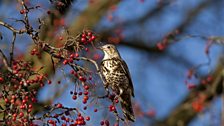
(70, 58)
(35, 52)
(81, 120)
(85, 97)
(66, 118)
(105, 123)
(87, 37)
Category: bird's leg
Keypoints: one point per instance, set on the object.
(120, 93)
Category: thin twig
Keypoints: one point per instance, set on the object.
(12, 29)
(12, 48)
(4, 58)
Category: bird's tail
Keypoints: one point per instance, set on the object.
(127, 107)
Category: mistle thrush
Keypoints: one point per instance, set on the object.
(116, 75)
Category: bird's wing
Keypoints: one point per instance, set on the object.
(124, 66)
(101, 71)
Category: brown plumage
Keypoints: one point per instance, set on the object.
(117, 77)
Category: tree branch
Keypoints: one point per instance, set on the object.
(11, 28)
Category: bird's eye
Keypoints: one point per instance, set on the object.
(108, 47)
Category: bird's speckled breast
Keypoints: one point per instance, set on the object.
(113, 73)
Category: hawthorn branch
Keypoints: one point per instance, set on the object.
(5, 61)
(12, 28)
(4, 58)
(54, 108)
(15, 31)
(12, 48)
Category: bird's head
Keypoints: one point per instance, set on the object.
(110, 51)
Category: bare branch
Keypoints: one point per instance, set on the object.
(4, 58)
(11, 28)
(12, 48)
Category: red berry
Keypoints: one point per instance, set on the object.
(72, 55)
(83, 40)
(107, 123)
(29, 110)
(82, 79)
(67, 119)
(13, 96)
(86, 93)
(24, 101)
(84, 101)
(70, 60)
(76, 55)
(59, 105)
(112, 108)
(87, 118)
(89, 34)
(50, 121)
(14, 115)
(6, 100)
(14, 118)
(74, 97)
(21, 114)
(86, 98)
(30, 106)
(86, 87)
(102, 122)
(80, 93)
(22, 107)
(65, 62)
(72, 72)
(12, 101)
(34, 100)
(1, 79)
(93, 37)
(49, 81)
(24, 120)
(22, 11)
(83, 35)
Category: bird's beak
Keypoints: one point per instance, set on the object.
(101, 48)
